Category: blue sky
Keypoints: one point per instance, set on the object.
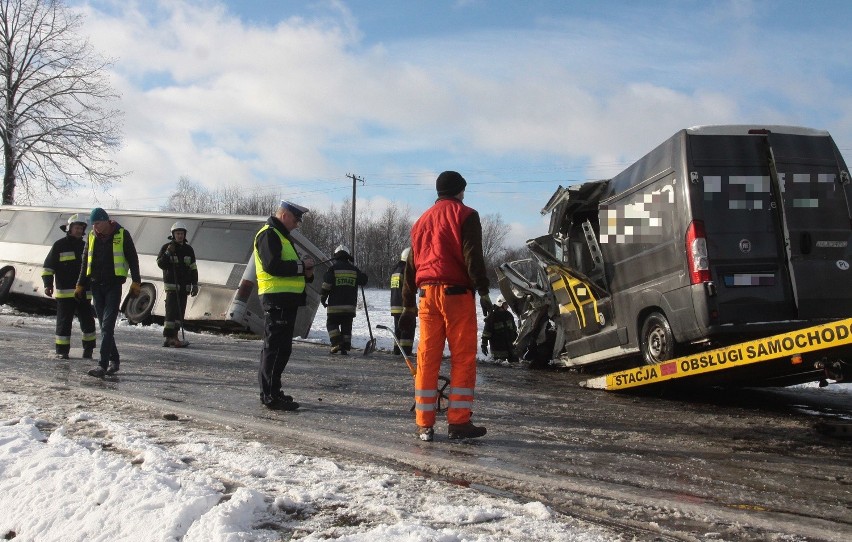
(283, 97)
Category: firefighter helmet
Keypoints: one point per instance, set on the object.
(178, 226)
(404, 256)
(342, 251)
(74, 219)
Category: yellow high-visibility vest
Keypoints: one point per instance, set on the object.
(118, 259)
(272, 284)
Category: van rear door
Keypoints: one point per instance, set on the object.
(816, 222)
(778, 231)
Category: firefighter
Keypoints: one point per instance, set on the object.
(109, 257)
(396, 282)
(500, 330)
(61, 268)
(180, 279)
(444, 271)
(281, 279)
(340, 296)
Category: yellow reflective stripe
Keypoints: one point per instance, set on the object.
(88, 337)
(67, 256)
(47, 272)
(63, 340)
(64, 294)
(340, 308)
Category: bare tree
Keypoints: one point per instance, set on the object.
(57, 126)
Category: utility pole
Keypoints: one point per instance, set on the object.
(355, 179)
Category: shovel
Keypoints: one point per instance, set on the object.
(442, 379)
(370, 347)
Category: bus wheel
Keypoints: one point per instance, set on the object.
(138, 309)
(7, 277)
(657, 340)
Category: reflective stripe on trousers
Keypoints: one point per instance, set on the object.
(450, 319)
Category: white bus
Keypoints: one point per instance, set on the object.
(227, 297)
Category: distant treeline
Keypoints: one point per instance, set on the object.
(380, 237)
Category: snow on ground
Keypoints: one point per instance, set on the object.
(68, 473)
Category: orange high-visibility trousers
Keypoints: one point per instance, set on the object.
(450, 318)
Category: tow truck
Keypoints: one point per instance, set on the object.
(815, 353)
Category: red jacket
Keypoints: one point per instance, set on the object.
(446, 248)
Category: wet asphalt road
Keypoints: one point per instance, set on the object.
(716, 464)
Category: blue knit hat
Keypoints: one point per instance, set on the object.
(97, 215)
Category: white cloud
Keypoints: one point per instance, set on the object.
(224, 101)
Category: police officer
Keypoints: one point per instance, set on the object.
(404, 336)
(281, 278)
(61, 268)
(180, 278)
(340, 295)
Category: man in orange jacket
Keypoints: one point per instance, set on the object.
(444, 270)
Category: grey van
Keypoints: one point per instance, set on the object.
(720, 234)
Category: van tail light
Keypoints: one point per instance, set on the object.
(696, 253)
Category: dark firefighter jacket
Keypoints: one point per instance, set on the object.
(396, 281)
(340, 286)
(62, 265)
(180, 272)
(500, 330)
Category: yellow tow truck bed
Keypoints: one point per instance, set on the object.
(805, 355)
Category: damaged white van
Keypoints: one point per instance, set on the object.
(720, 234)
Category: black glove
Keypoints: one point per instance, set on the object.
(485, 348)
(171, 248)
(194, 291)
(407, 322)
(485, 303)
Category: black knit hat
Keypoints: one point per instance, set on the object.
(450, 183)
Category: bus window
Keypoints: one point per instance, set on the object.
(31, 227)
(223, 241)
(156, 233)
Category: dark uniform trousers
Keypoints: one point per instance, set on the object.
(339, 327)
(405, 337)
(66, 309)
(279, 322)
(175, 310)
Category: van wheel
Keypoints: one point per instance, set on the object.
(658, 344)
(7, 277)
(138, 309)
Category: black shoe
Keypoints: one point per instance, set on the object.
(112, 369)
(280, 396)
(465, 430)
(426, 434)
(60, 356)
(335, 349)
(344, 352)
(277, 404)
(97, 372)
(87, 353)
